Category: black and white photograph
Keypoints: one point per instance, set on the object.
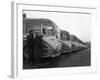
(50, 40)
(56, 39)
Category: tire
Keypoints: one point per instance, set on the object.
(47, 50)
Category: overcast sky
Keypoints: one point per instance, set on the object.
(74, 23)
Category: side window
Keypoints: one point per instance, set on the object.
(63, 37)
(36, 28)
(44, 30)
(68, 37)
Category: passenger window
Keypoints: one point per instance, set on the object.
(44, 31)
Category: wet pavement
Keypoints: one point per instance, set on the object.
(73, 59)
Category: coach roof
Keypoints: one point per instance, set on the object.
(38, 20)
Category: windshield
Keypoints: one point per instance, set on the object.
(47, 30)
(65, 36)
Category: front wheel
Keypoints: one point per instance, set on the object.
(47, 49)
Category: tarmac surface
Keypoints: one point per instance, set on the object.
(73, 59)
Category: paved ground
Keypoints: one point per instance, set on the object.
(74, 59)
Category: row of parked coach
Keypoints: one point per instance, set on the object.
(43, 36)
